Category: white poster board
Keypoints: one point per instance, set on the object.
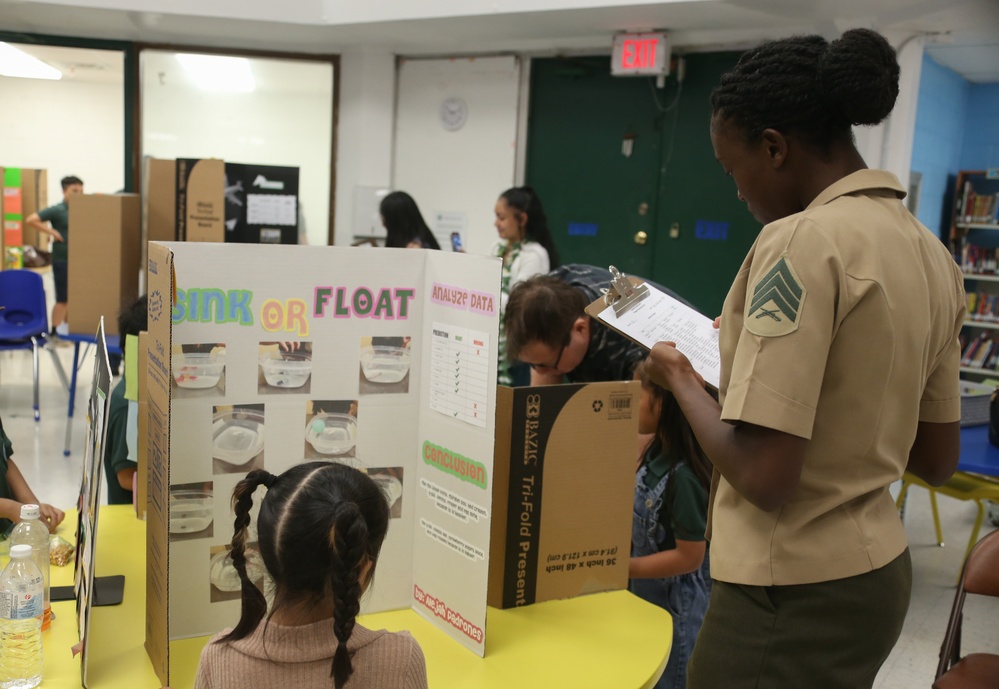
(399, 347)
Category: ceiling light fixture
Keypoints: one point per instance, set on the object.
(17, 63)
(218, 73)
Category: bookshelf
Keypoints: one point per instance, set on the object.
(974, 243)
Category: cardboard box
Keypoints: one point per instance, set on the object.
(563, 491)
(418, 416)
(104, 259)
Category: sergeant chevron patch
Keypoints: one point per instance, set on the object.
(776, 302)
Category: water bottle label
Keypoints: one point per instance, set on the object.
(21, 605)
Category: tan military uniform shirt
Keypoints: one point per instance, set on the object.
(841, 327)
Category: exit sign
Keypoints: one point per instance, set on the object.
(640, 54)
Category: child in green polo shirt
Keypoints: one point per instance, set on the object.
(15, 491)
(58, 217)
(669, 553)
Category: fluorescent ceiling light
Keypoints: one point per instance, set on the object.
(219, 73)
(17, 63)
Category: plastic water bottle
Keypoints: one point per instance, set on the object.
(31, 531)
(21, 599)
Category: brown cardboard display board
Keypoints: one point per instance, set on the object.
(142, 452)
(104, 259)
(200, 200)
(196, 213)
(160, 204)
(563, 491)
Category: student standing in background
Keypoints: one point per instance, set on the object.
(404, 225)
(58, 217)
(840, 357)
(525, 244)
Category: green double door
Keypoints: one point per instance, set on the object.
(628, 178)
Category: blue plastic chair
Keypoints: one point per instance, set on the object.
(23, 320)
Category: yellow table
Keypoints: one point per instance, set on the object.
(602, 640)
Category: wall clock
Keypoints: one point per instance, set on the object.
(453, 114)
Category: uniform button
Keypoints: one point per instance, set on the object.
(648, 503)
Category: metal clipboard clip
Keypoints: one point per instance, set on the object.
(623, 293)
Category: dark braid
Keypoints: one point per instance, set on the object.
(254, 605)
(349, 541)
(319, 524)
(812, 88)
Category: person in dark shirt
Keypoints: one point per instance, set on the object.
(15, 491)
(58, 217)
(547, 327)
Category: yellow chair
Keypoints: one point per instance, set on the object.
(961, 486)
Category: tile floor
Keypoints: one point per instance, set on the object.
(56, 479)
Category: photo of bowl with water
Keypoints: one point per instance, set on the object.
(191, 510)
(384, 365)
(197, 370)
(237, 435)
(225, 584)
(332, 434)
(391, 488)
(286, 369)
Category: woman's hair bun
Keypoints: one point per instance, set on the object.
(858, 76)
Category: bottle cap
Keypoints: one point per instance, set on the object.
(29, 512)
(20, 552)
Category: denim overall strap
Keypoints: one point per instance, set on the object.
(684, 596)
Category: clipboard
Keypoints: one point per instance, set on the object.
(645, 315)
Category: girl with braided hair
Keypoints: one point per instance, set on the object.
(669, 556)
(840, 358)
(319, 530)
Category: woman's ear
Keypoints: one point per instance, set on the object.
(775, 146)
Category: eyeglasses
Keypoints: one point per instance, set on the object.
(554, 367)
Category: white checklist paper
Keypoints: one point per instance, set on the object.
(271, 209)
(661, 318)
(459, 373)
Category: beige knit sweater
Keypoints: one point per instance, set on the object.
(302, 656)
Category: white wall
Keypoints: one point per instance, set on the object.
(888, 146)
(286, 121)
(364, 133)
(65, 127)
(460, 171)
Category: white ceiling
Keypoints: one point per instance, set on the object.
(964, 33)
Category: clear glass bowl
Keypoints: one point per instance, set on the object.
(286, 369)
(384, 364)
(197, 371)
(332, 434)
(390, 486)
(238, 435)
(191, 511)
(223, 573)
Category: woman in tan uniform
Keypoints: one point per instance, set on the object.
(839, 372)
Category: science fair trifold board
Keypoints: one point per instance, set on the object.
(269, 356)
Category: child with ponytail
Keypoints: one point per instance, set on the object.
(320, 529)
(669, 553)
